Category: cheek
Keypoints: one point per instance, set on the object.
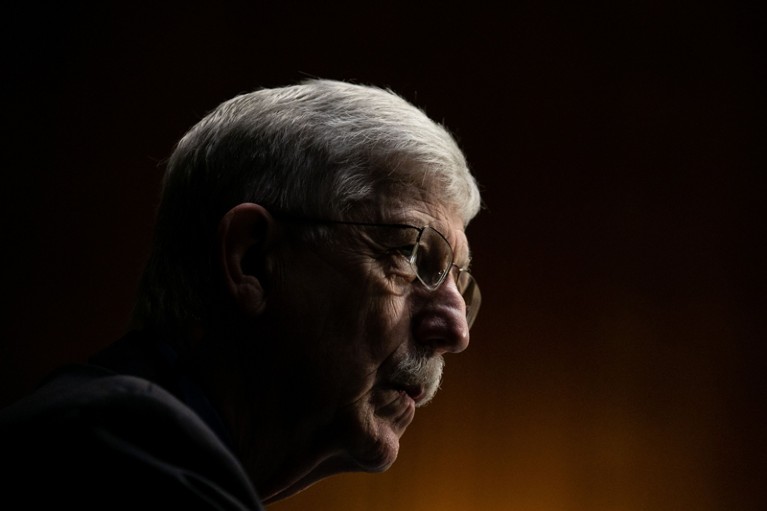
(387, 318)
(363, 325)
(382, 332)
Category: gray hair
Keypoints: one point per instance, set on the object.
(321, 148)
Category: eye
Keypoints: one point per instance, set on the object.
(396, 263)
(404, 250)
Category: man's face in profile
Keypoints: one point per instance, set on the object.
(363, 337)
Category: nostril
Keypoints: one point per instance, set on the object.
(442, 329)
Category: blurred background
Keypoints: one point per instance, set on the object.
(618, 361)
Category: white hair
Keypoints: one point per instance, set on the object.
(321, 148)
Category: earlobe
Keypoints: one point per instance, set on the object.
(244, 236)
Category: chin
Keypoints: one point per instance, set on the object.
(378, 455)
(376, 443)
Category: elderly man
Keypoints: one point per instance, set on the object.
(309, 272)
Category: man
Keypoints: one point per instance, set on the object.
(309, 272)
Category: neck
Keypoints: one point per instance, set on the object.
(283, 448)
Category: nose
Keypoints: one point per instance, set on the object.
(440, 319)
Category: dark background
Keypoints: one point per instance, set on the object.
(618, 361)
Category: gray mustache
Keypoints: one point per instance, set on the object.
(420, 370)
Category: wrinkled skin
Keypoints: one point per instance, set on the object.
(339, 345)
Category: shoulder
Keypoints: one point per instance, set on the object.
(95, 434)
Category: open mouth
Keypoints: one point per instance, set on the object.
(416, 377)
(415, 392)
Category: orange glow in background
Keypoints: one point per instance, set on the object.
(617, 363)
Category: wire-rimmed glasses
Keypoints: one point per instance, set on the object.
(430, 258)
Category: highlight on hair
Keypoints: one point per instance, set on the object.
(321, 148)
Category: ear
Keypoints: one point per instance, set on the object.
(245, 235)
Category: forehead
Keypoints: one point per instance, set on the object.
(420, 209)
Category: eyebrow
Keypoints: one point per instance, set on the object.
(395, 225)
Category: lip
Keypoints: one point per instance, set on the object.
(408, 411)
(415, 393)
(394, 403)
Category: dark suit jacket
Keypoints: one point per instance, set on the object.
(93, 438)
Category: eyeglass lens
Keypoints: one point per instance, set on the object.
(432, 260)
